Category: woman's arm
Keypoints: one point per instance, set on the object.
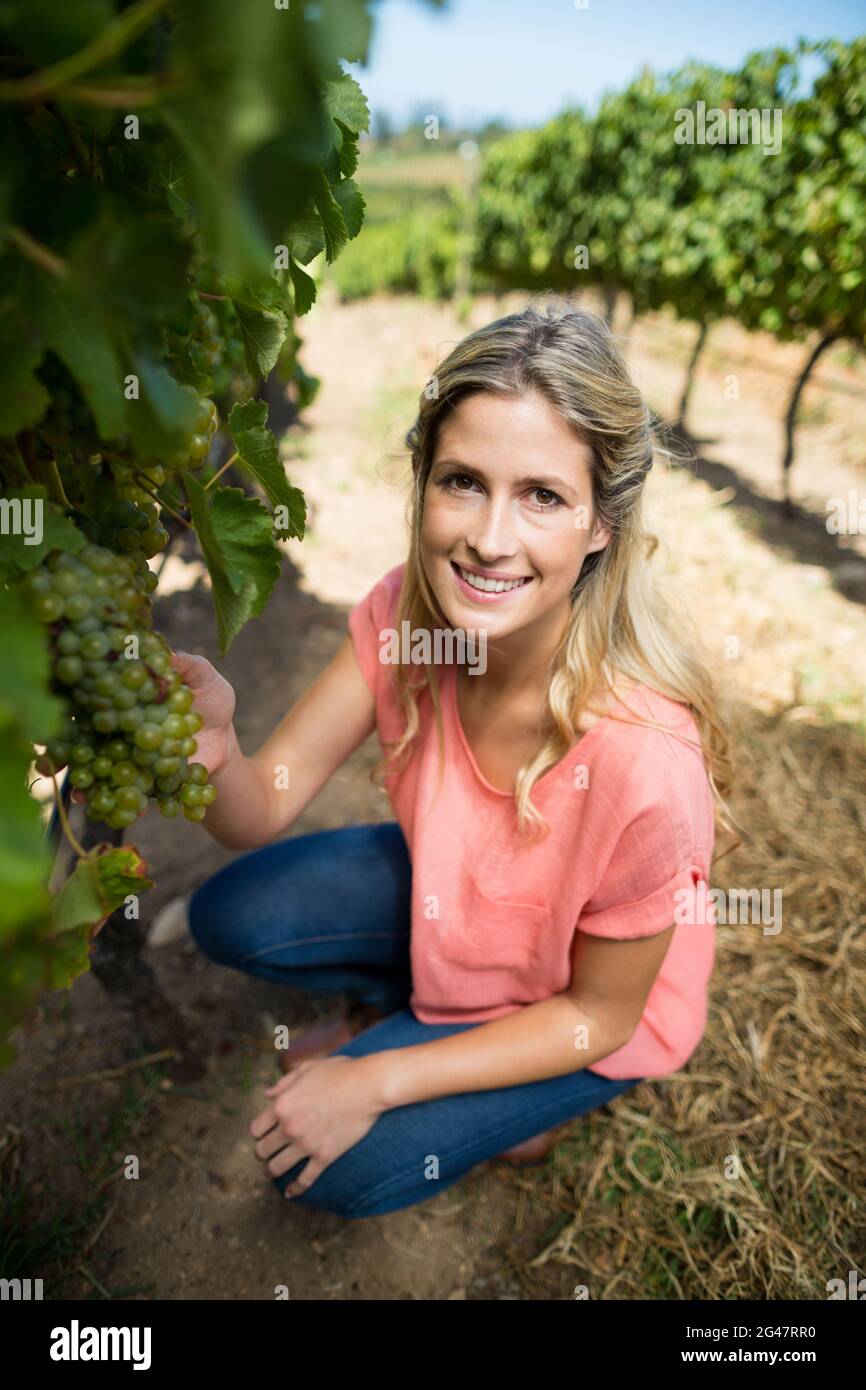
(596, 1016)
(259, 798)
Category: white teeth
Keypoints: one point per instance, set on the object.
(491, 586)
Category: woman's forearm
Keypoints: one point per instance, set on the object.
(241, 815)
(551, 1038)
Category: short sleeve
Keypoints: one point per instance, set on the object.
(367, 620)
(648, 878)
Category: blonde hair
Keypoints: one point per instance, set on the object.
(620, 624)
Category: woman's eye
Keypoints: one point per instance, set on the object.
(458, 477)
(545, 505)
(548, 507)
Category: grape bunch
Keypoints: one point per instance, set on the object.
(195, 450)
(206, 343)
(132, 525)
(129, 731)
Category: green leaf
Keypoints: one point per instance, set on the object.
(24, 672)
(80, 902)
(257, 450)
(23, 398)
(72, 325)
(306, 238)
(121, 873)
(347, 155)
(17, 554)
(304, 286)
(346, 102)
(24, 861)
(236, 537)
(263, 323)
(333, 222)
(348, 195)
(99, 884)
(163, 417)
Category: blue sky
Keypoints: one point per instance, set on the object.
(524, 60)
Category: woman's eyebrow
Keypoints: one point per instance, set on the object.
(536, 480)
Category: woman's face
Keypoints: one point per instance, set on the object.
(508, 495)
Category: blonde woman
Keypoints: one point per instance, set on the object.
(531, 932)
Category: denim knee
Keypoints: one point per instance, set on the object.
(213, 923)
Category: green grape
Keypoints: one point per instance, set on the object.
(107, 683)
(68, 642)
(101, 801)
(48, 607)
(148, 737)
(169, 806)
(76, 607)
(69, 669)
(188, 746)
(124, 774)
(129, 799)
(208, 794)
(144, 758)
(195, 813)
(197, 774)
(180, 701)
(134, 676)
(174, 726)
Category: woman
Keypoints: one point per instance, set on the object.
(531, 931)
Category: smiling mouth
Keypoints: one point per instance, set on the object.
(490, 586)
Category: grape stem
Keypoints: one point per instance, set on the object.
(156, 497)
(37, 253)
(203, 295)
(56, 484)
(228, 463)
(64, 819)
(106, 45)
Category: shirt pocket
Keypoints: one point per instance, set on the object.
(503, 942)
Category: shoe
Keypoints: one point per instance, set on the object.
(170, 924)
(322, 1039)
(532, 1151)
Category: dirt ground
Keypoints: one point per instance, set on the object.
(202, 1221)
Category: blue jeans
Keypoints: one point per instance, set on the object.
(330, 912)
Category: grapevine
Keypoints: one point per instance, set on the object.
(152, 269)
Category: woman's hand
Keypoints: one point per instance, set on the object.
(319, 1110)
(214, 699)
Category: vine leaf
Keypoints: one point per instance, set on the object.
(99, 883)
(264, 324)
(236, 537)
(23, 398)
(257, 451)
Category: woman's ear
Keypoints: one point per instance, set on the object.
(601, 535)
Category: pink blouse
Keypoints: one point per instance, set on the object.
(493, 919)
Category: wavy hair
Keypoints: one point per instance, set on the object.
(624, 625)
